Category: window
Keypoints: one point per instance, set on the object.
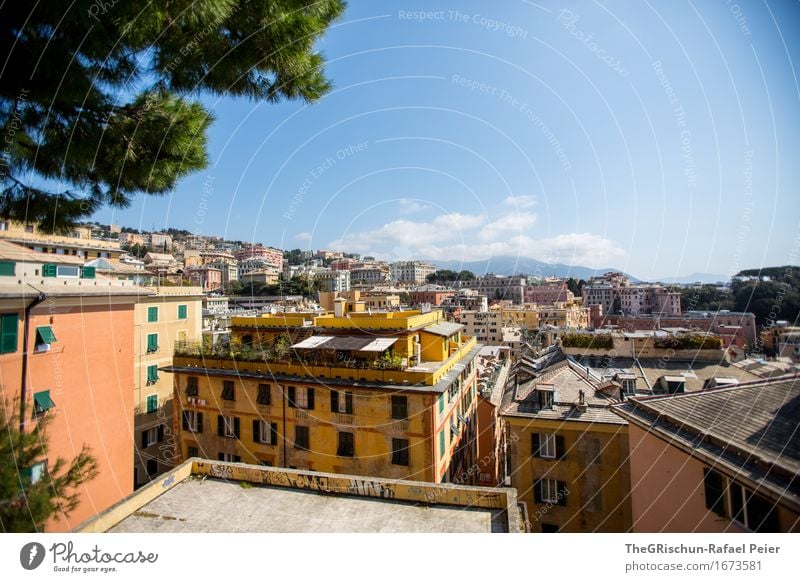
(152, 403)
(342, 402)
(265, 432)
(264, 396)
(547, 446)
(44, 337)
(550, 491)
(7, 268)
(152, 374)
(441, 444)
(346, 445)
(399, 407)
(152, 314)
(192, 421)
(192, 452)
(229, 458)
(727, 498)
(9, 327)
(68, 271)
(191, 386)
(301, 437)
(49, 270)
(301, 397)
(42, 402)
(400, 452)
(182, 312)
(152, 343)
(544, 397)
(228, 390)
(87, 272)
(441, 404)
(152, 467)
(38, 471)
(228, 426)
(152, 436)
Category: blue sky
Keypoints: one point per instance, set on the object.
(660, 138)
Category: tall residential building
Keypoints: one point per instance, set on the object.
(721, 460)
(410, 272)
(567, 450)
(271, 256)
(163, 315)
(615, 293)
(498, 287)
(548, 294)
(486, 326)
(66, 355)
(333, 281)
(388, 394)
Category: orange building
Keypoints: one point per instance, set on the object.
(720, 460)
(67, 354)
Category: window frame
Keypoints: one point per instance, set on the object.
(400, 452)
(346, 444)
(9, 328)
(303, 444)
(399, 405)
(152, 314)
(228, 426)
(183, 311)
(228, 392)
(547, 445)
(151, 398)
(152, 343)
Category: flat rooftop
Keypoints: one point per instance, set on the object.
(194, 506)
(213, 496)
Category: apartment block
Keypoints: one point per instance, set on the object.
(410, 272)
(615, 293)
(386, 395)
(333, 281)
(497, 287)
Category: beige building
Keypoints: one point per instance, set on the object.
(79, 244)
(170, 314)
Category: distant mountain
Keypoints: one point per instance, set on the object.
(705, 278)
(505, 265)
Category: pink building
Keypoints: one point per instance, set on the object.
(548, 294)
(209, 278)
(267, 254)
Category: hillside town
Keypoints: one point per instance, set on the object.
(543, 400)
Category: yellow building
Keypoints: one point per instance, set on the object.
(390, 394)
(161, 317)
(525, 316)
(567, 450)
(79, 243)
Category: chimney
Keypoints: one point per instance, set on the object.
(582, 406)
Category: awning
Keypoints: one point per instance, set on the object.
(544, 387)
(312, 342)
(42, 401)
(379, 345)
(45, 332)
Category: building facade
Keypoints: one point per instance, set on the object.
(410, 272)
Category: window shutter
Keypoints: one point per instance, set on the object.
(562, 492)
(334, 401)
(236, 426)
(220, 426)
(49, 270)
(535, 446)
(256, 438)
(199, 416)
(10, 328)
(160, 433)
(348, 403)
(185, 416)
(310, 398)
(274, 433)
(291, 396)
(714, 489)
(87, 272)
(144, 439)
(537, 490)
(561, 450)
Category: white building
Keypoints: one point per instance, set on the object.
(410, 272)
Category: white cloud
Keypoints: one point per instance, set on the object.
(525, 201)
(465, 237)
(302, 236)
(411, 206)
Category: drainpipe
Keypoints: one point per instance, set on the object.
(23, 384)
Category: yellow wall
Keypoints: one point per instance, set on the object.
(610, 474)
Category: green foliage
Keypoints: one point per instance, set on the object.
(575, 285)
(405, 298)
(294, 256)
(689, 342)
(769, 301)
(26, 506)
(102, 96)
(586, 340)
(444, 276)
(706, 298)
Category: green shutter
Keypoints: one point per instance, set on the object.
(152, 403)
(152, 373)
(441, 444)
(441, 403)
(152, 314)
(152, 342)
(42, 402)
(87, 272)
(45, 335)
(7, 268)
(49, 270)
(9, 327)
(182, 312)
